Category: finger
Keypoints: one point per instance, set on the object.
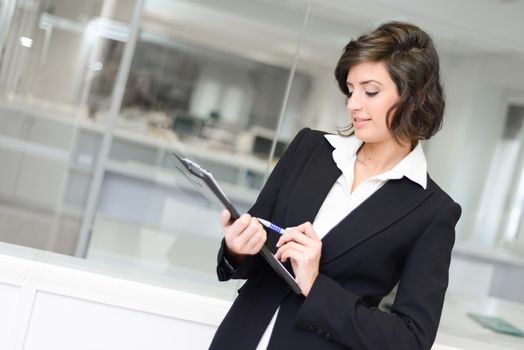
(306, 228)
(296, 236)
(290, 246)
(238, 227)
(309, 230)
(225, 217)
(256, 242)
(295, 253)
(290, 236)
(300, 227)
(253, 228)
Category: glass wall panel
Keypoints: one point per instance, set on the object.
(51, 55)
(322, 105)
(208, 79)
(500, 210)
(211, 79)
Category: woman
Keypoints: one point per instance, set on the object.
(378, 218)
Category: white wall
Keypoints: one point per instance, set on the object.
(459, 156)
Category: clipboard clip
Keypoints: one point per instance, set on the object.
(193, 167)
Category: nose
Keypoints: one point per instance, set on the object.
(353, 103)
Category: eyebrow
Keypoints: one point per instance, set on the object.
(366, 82)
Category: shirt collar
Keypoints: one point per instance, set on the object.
(413, 166)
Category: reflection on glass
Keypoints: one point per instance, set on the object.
(52, 50)
(56, 47)
(513, 138)
(499, 221)
(209, 77)
(218, 106)
(103, 78)
(206, 96)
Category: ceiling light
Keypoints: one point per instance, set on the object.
(26, 42)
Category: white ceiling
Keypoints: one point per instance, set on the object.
(488, 24)
(268, 30)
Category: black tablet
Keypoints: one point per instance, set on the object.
(211, 185)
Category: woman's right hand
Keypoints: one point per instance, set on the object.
(244, 236)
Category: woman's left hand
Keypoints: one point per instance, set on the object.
(302, 245)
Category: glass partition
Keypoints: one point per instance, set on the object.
(501, 207)
(226, 82)
(52, 52)
(200, 86)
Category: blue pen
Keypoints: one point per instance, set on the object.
(272, 226)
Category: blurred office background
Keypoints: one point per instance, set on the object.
(95, 95)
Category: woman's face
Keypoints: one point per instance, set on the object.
(371, 95)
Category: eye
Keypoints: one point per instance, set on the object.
(371, 94)
(350, 93)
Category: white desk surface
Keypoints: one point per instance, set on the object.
(459, 331)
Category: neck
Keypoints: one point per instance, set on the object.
(379, 157)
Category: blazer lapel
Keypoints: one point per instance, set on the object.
(391, 202)
(313, 185)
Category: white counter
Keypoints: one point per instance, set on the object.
(458, 330)
(56, 302)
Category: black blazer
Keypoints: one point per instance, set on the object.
(400, 233)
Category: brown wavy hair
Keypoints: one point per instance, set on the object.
(413, 65)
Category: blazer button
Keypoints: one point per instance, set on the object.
(310, 327)
(319, 331)
(328, 336)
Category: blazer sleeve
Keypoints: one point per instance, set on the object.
(263, 208)
(341, 316)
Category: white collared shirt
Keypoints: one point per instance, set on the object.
(340, 201)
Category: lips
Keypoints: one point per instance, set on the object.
(360, 120)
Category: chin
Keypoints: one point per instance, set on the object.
(363, 136)
(370, 137)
